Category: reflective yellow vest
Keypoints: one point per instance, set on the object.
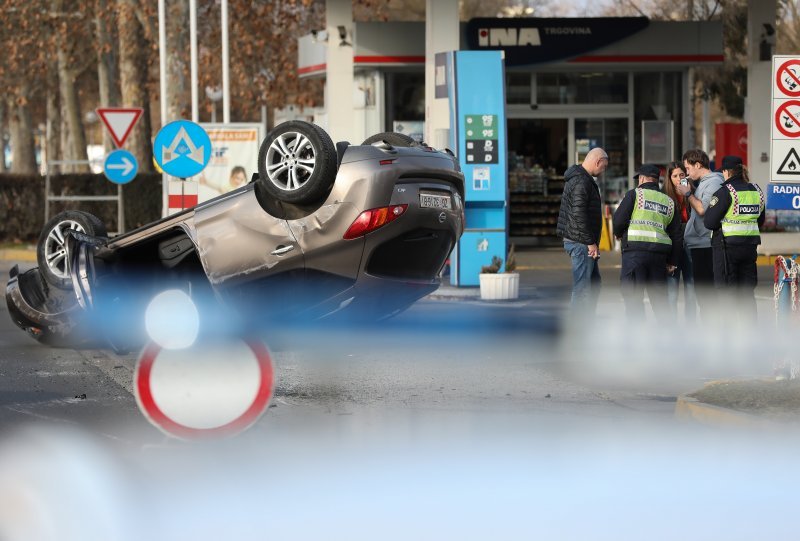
(651, 214)
(741, 220)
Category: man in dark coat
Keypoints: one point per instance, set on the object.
(580, 223)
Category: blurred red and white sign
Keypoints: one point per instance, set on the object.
(209, 390)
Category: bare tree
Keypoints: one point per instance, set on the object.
(73, 54)
(178, 91)
(21, 127)
(2, 137)
(788, 37)
(53, 118)
(107, 69)
(133, 68)
(21, 63)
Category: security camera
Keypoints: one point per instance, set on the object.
(343, 36)
(319, 35)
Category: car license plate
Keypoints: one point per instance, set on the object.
(430, 201)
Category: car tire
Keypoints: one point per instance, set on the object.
(393, 138)
(51, 247)
(297, 175)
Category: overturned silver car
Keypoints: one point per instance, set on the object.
(323, 231)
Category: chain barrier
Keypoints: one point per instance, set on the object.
(786, 272)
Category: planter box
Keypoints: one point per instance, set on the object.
(501, 286)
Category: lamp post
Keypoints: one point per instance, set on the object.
(215, 95)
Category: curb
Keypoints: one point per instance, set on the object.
(18, 254)
(691, 409)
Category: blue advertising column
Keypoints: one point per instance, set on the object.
(476, 90)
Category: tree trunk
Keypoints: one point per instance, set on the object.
(53, 126)
(71, 108)
(23, 157)
(133, 80)
(63, 141)
(2, 137)
(178, 97)
(107, 72)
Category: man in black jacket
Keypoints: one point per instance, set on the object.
(580, 222)
(650, 230)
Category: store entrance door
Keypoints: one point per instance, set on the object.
(541, 150)
(538, 156)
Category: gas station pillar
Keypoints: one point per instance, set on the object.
(339, 83)
(442, 34)
(761, 20)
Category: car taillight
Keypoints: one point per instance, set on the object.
(372, 219)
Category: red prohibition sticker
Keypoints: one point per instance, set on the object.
(787, 77)
(787, 118)
(207, 391)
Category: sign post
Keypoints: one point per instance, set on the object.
(784, 164)
(182, 149)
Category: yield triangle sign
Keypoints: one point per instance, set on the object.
(119, 121)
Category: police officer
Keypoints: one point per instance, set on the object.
(735, 215)
(650, 230)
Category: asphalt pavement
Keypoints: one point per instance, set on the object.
(458, 418)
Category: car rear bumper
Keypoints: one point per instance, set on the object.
(415, 246)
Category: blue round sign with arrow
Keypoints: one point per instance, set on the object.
(120, 166)
(182, 149)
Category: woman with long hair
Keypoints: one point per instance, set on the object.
(676, 175)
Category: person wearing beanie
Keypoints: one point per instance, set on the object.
(650, 229)
(735, 215)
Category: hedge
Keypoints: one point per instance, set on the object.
(22, 202)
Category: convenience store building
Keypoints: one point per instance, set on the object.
(571, 84)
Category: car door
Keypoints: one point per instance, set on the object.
(239, 242)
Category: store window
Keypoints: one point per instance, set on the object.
(657, 96)
(537, 159)
(405, 97)
(581, 88)
(518, 88)
(612, 135)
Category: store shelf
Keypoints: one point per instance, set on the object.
(535, 200)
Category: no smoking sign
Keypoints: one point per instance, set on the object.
(787, 119)
(787, 79)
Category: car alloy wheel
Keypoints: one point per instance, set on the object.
(297, 163)
(51, 248)
(290, 161)
(55, 247)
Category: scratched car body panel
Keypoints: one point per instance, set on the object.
(262, 257)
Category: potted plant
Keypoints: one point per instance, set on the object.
(496, 285)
